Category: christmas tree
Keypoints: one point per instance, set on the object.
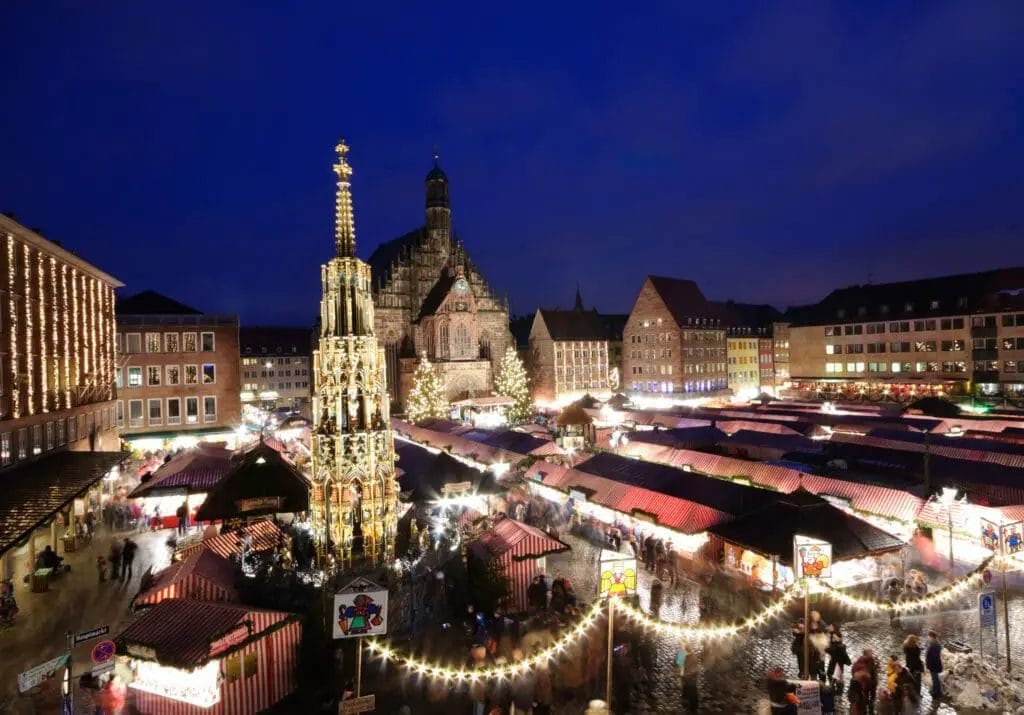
(512, 382)
(427, 399)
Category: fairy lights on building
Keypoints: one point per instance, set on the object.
(29, 333)
(44, 368)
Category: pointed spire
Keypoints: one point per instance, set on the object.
(344, 221)
(579, 299)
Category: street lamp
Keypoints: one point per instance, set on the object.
(948, 498)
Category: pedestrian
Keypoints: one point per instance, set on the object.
(933, 661)
(101, 568)
(912, 655)
(689, 673)
(478, 687)
(182, 514)
(128, 558)
(543, 690)
(115, 560)
(90, 523)
(903, 689)
(649, 553)
(859, 693)
(559, 596)
(656, 594)
(781, 693)
(884, 703)
(672, 558)
(536, 595)
(867, 664)
(796, 647)
(838, 658)
(522, 688)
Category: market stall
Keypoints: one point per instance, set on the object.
(260, 482)
(186, 478)
(189, 657)
(204, 575)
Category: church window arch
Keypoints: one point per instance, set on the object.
(485, 345)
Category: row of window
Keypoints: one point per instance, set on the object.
(952, 366)
(743, 359)
(743, 376)
(280, 360)
(270, 373)
(580, 354)
(46, 436)
(904, 326)
(908, 307)
(689, 386)
(925, 346)
(579, 370)
(131, 343)
(160, 411)
(157, 375)
(650, 354)
(253, 386)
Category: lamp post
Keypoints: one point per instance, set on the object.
(948, 498)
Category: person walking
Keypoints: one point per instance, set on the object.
(796, 647)
(657, 590)
(781, 693)
(838, 658)
(867, 664)
(690, 678)
(933, 661)
(912, 656)
(543, 690)
(115, 560)
(182, 514)
(128, 558)
(904, 690)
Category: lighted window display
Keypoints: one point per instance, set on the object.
(199, 687)
(153, 375)
(188, 342)
(191, 375)
(134, 377)
(171, 342)
(173, 375)
(152, 342)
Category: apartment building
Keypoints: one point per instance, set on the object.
(58, 431)
(747, 326)
(674, 342)
(177, 370)
(572, 353)
(276, 365)
(958, 334)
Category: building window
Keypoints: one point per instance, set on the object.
(208, 344)
(135, 413)
(188, 342)
(37, 439)
(61, 432)
(134, 343)
(155, 412)
(49, 436)
(152, 342)
(191, 375)
(209, 408)
(118, 377)
(120, 414)
(22, 443)
(174, 410)
(173, 374)
(209, 373)
(153, 375)
(134, 377)
(171, 342)
(191, 410)
(5, 448)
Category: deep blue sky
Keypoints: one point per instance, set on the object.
(769, 151)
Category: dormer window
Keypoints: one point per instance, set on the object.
(841, 313)
(862, 310)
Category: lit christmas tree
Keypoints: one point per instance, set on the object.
(512, 382)
(427, 399)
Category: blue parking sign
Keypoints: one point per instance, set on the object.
(987, 609)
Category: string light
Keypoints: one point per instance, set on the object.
(76, 355)
(54, 360)
(944, 595)
(64, 343)
(425, 668)
(13, 310)
(707, 631)
(30, 407)
(44, 382)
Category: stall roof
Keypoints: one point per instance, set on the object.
(518, 442)
(265, 536)
(204, 564)
(680, 437)
(718, 494)
(520, 540)
(33, 492)
(424, 473)
(191, 471)
(182, 632)
(770, 530)
(260, 481)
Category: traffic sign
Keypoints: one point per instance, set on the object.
(98, 670)
(987, 609)
(89, 635)
(103, 651)
(363, 704)
(986, 576)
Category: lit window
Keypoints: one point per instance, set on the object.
(209, 373)
(188, 342)
(173, 375)
(191, 375)
(171, 342)
(134, 377)
(152, 342)
(134, 343)
(153, 375)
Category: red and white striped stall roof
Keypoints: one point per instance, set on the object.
(195, 471)
(516, 546)
(186, 634)
(204, 576)
(265, 536)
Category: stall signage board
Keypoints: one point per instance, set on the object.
(103, 651)
(363, 704)
(990, 535)
(808, 693)
(361, 609)
(617, 575)
(812, 558)
(987, 609)
(577, 496)
(257, 503)
(1013, 537)
(89, 635)
(34, 676)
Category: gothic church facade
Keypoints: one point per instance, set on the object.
(431, 299)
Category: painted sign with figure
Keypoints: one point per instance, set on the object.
(812, 558)
(989, 535)
(808, 693)
(361, 609)
(1013, 541)
(617, 575)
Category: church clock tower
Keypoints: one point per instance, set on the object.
(354, 494)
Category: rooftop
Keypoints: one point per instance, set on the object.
(149, 302)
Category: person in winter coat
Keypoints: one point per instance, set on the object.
(543, 693)
(115, 560)
(690, 678)
(866, 663)
(838, 658)
(903, 689)
(781, 693)
(657, 590)
(796, 647)
(890, 673)
(912, 656)
(536, 595)
(933, 661)
(859, 693)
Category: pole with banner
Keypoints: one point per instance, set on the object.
(812, 561)
(617, 579)
(360, 610)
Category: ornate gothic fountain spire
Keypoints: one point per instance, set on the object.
(344, 220)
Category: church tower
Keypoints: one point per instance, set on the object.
(354, 494)
(439, 210)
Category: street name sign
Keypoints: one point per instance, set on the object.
(363, 704)
(89, 635)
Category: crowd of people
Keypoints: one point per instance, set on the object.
(896, 690)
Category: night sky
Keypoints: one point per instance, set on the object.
(771, 152)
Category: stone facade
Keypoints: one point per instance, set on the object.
(430, 298)
(354, 497)
(673, 343)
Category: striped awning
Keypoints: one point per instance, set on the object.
(203, 576)
(517, 541)
(265, 536)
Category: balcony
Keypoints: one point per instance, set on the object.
(984, 332)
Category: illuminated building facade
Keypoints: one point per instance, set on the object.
(276, 367)
(354, 494)
(746, 325)
(430, 298)
(955, 334)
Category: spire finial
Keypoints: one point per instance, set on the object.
(344, 223)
